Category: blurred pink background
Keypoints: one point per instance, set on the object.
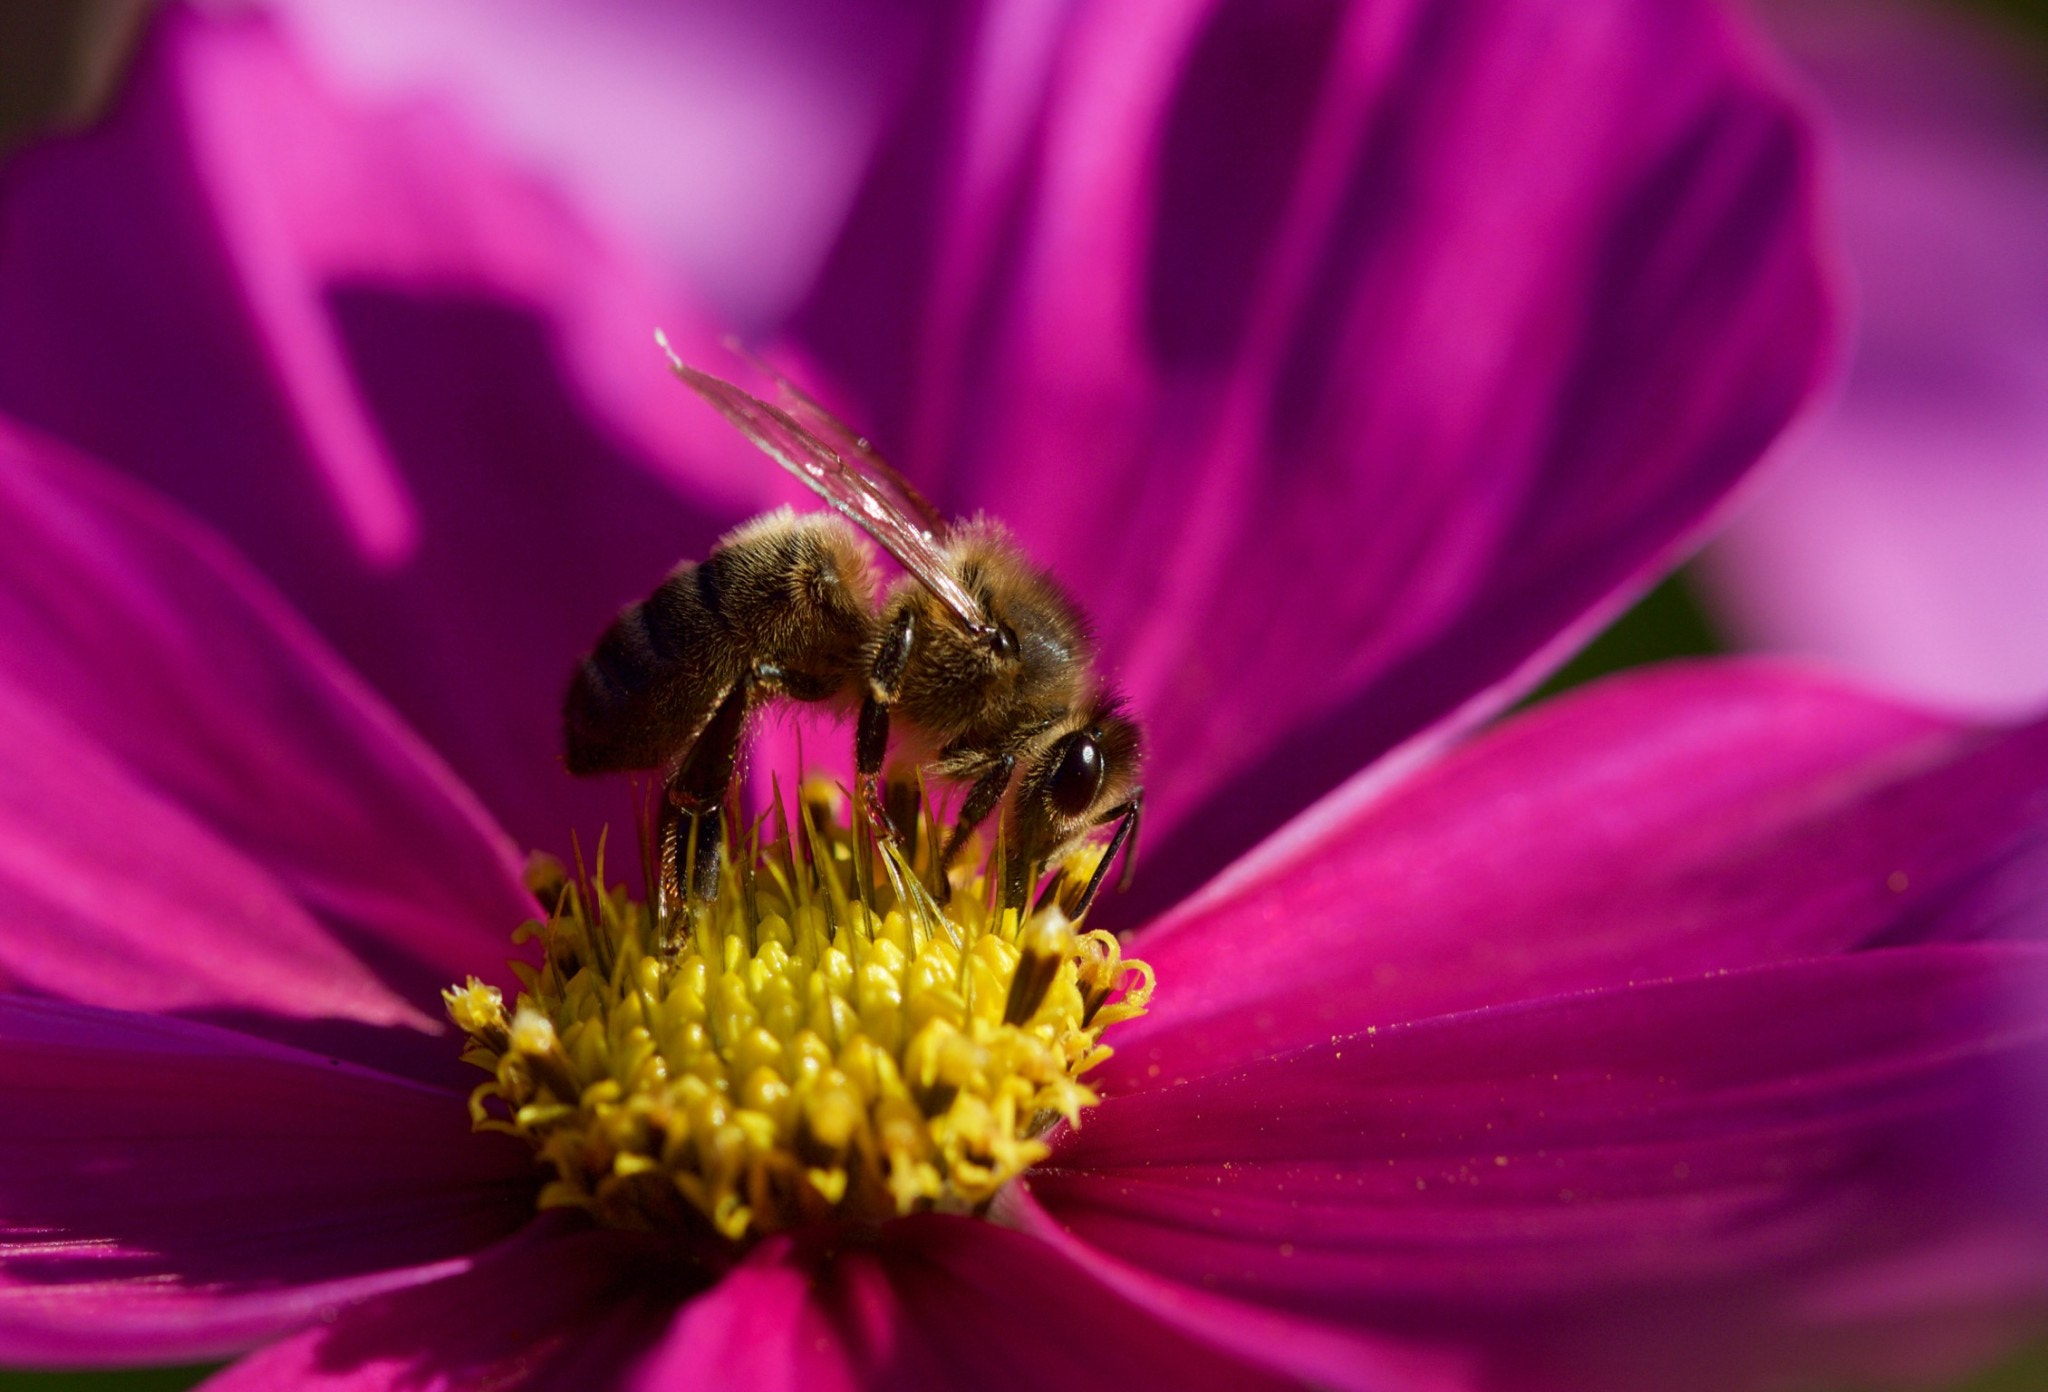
(1899, 534)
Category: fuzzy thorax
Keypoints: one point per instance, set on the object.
(797, 1051)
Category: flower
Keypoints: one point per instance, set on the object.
(1346, 360)
(1900, 538)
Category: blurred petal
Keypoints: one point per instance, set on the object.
(1670, 821)
(1340, 355)
(1902, 535)
(548, 1309)
(1515, 1172)
(120, 897)
(930, 1303)
(730, 135)
(176, 1192)
(414, 388)
(205, 810)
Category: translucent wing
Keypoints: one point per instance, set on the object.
(844, 476)
(845, 441)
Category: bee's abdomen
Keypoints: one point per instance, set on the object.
(656, 673)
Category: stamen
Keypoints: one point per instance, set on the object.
(807, 1047)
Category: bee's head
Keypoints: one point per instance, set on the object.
(1083, 768)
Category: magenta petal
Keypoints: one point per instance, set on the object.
(548, 1309)
(1670, 821)
(759, 1330)
(413, 387)
(119, 897)
(172, 1191)
(928, 1303)
(730, 133)
(1340, 355)
(1318, 1352)
(1901, 535)
(1489, 1173)
(199, 707)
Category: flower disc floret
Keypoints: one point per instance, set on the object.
(799, 1050)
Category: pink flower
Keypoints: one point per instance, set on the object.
(1347, 361)
(1901, 538)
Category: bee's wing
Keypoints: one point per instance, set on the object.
(846, 442)
(862, 496)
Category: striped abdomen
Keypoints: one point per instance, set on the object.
(652, 680)
(785, 603)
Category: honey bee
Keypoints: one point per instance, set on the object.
(975, 661)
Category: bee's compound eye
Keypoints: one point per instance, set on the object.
(1077, 782)
(1004, 641)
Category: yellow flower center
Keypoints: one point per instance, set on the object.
(802, 1049)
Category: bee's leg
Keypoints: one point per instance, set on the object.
(871, 736)
(982, 799)
(1020, 873)
(708, 859)
(1126, 815)
(698, 790)
(667, 842)
(903, 802)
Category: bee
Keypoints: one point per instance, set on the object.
(975, 662)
